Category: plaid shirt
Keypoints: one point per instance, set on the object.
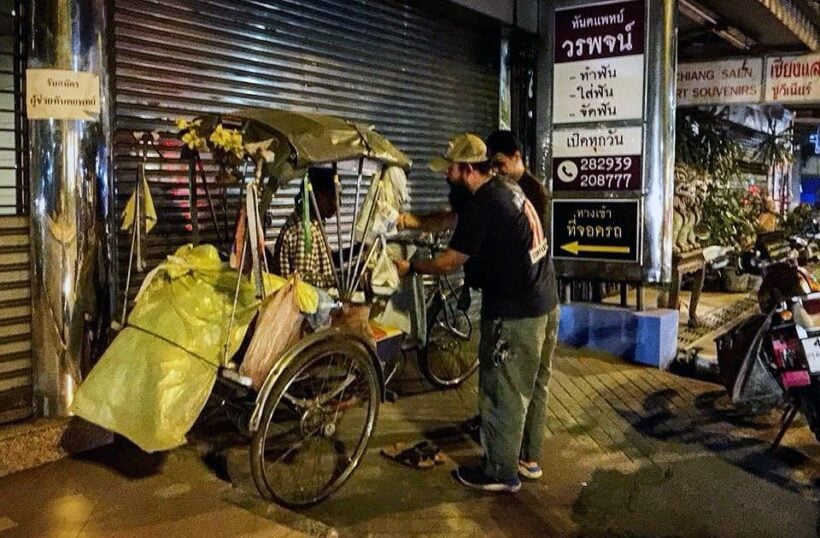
(290, 253)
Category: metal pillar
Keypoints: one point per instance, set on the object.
(659, 138)
(71, 199)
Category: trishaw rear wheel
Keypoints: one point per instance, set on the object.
(316, 423)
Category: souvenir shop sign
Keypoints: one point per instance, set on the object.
(793, 79)
(599, 62)
(62, 95)
(605, 230)
(723, 82)
(606, 159)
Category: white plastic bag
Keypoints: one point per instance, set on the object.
(384, 277)
(388, 192)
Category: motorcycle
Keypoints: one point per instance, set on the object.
(772, 359)
(806, 243)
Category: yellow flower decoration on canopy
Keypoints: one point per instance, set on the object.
(191, 136)
(193, 140)
(228, 139)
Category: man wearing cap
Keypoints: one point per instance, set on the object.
(508, 161)
(497, 229)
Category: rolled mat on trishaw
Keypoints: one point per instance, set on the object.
(154, 379)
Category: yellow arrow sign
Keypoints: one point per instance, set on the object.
(575, 248)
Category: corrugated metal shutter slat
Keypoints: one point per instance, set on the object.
(415, 76)
(15, 319)
(15, 277)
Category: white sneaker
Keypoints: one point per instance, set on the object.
(532, 472)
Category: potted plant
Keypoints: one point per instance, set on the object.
(731, 208)
(777, 153)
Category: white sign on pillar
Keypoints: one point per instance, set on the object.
(62, 95)
(599, 159)
(599, 63)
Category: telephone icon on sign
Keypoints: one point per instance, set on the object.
(567, 171)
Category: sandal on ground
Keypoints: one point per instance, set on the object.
(419, 456)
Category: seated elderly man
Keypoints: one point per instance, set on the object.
(295, 250)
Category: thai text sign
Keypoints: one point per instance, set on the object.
(793, 79)
(723, 82)
(62, 95)
(606, 230)
(599, 62)
(604, 30)
(606, 159)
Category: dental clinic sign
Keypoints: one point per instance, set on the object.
(599, 62)
(62, 95)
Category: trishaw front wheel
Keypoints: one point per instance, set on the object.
(450, 355)
(316, 423)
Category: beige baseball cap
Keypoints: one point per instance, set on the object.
(463, 148)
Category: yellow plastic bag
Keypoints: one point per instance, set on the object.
(146, 389)
(154, 379)
(307, 296)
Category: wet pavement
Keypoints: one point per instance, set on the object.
(630, 451)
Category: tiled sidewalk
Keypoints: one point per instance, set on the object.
(630, 451)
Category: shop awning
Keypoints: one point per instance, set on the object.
(720, 28)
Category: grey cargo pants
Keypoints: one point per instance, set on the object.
(515, 359)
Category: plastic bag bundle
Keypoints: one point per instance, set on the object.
(154, 379)
(389, 193)
(743, 367)
(277, 328)
(320, 319)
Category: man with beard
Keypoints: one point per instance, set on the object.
(498, 229)
(441, 220)
(506, 155)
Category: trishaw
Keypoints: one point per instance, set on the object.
(311, 418)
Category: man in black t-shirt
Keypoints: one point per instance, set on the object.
(499, 231)
(506, 155)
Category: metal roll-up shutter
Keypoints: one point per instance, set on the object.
(417, 77)
(15, 291)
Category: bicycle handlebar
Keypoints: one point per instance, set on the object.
(432, 241)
